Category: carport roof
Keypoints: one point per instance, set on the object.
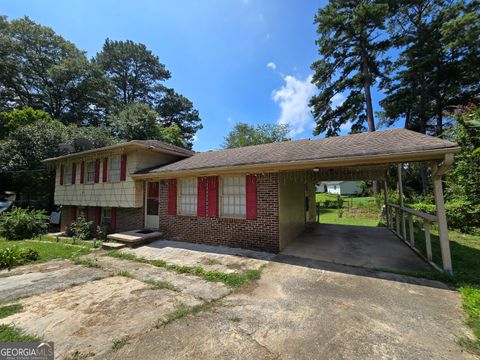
(396, 145)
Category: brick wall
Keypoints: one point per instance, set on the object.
(127, 218)
(259, 234)
(130, 219)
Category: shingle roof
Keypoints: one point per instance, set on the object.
(148, 144)
(395, 141)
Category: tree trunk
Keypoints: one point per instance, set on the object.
(368, 95)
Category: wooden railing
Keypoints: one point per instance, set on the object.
(396, 221)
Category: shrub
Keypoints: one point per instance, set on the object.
(19, 224)
(83, 229)
(13, 256)
(462, 215)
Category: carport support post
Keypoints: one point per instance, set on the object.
(400, 195)
(437, 172)
(387, 210)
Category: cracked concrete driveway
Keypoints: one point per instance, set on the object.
(299, 309)
(296, 312)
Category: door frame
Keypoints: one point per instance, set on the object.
(145, 224)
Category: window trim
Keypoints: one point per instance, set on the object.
(67, 174)
(86, 180)
(110, 167)
(221, 213)
(179, 196)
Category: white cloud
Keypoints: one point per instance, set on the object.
(272, 65)
(293, 98)
(337, 100)
(267, 37)
(230, 120)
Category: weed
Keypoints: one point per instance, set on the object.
(125, 274)
(10, 333)
(8, 310)
(119, 343)
(161, 285)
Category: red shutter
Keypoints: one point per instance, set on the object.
(201, 197)
(98, 215)
(74, 173)
(123, 168)
(113, 221)
(172, 197)
(82, 172)
(61, 174)
(97, 171)
(251, 190)
(73, 213)
(213, 196)
(105, 170)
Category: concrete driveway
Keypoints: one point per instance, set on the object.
(297, 312)
(365, 246)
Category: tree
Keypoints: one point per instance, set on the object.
(351, 45)
(42, 70)
(136, 73)
(10, 121)
(137, 76)
(245, 135)
(438, 65)
(176, 110)
(141, 122)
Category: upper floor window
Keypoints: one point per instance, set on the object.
(90, 171)
(67, 176)
(187, 196)
(115, 168)
(233, 196)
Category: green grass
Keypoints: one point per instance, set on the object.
(330, 216)
(183, 310)
(8, 310)
(233, 280)
(117, 344)
(125, 274)
(465, 250)
(161, 285)
(47, 249)
(321, 197)
(10, 333)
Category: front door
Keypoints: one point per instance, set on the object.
(152, 220)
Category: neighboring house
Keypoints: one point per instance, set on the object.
(257, 197)
(339, 187)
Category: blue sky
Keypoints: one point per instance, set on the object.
(237, 60)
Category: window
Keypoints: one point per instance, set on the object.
(67, 176)
(188, 196)
(233, 196)
(90, 171)
(115, 165)
(106, 217)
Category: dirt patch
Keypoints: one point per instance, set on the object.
(89, 317)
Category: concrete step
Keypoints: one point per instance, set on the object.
(136, 237)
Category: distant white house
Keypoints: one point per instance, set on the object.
(339, 187)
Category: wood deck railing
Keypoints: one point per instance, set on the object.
(396, 219)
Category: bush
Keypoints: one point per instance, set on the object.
(462, 215)
(19, 224)
(13, 256)
(83, 229)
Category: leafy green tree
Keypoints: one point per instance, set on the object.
(10, 121)
(176, 110)
(245, 135)
(352, 46)
(42, 70)
(136, 73)
(141, 122)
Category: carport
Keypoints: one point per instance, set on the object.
(365, 246)
(391, 246)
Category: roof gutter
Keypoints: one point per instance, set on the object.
(426, 155)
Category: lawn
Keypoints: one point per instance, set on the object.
(49, 249)
(356, 210)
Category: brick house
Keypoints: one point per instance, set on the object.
(258, 197)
